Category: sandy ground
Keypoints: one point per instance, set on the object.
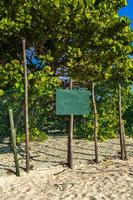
(49, 180)
(53, 152)
(109, 180)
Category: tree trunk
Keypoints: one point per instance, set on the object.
(95, 123)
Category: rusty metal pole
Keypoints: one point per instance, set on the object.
(70, 138)
(26, 105)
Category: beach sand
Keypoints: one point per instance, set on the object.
(111, 180)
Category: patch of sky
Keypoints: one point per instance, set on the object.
(127, 11)
(32, 58)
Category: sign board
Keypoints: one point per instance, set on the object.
(72, 102)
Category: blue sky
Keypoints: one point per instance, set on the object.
(128, 11)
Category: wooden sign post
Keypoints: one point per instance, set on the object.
(72, 102)
(70, 138)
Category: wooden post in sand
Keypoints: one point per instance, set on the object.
(125, 151)
(13, 137)
(121, 125)
(95, 123)
(26, 105)
(70, 138)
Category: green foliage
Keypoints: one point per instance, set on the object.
(20, 138)
(84, 127)
(90, 34)
(87, 38)
(11, 77)
(35, 135)
(107, 108)
(1, 92)
(128, 115)
(42, 87)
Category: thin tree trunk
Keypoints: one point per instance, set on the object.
(120, 123)
(95, 123)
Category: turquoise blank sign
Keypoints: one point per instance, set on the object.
(72, 102)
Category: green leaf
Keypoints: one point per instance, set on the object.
(1, 92)
(30, 76)
(57, 3)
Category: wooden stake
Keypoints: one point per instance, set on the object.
(95, 123)
(120, 123)
(26, 105)
(13, 137)
(124, 142)
(70, 138)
